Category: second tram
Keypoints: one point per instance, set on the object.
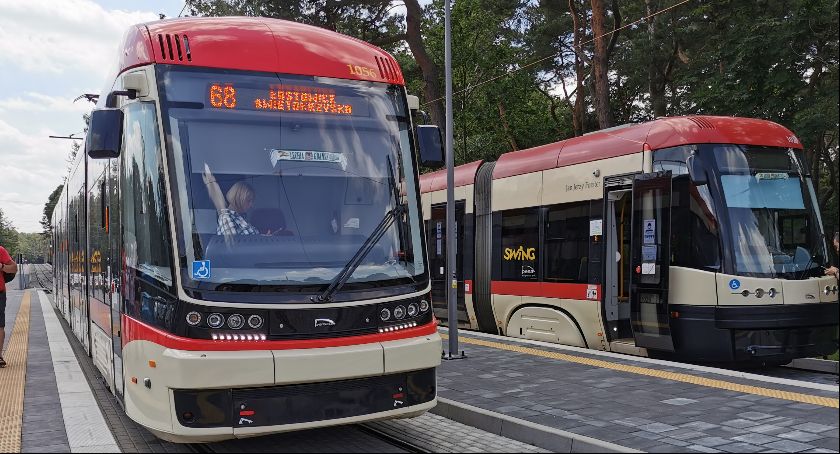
(241, 247)
(696, 238)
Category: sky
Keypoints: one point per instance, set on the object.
(52, 51)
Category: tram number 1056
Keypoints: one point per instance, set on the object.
(357, 70)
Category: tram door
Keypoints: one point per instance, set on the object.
(616, 234)
(651, 258)
(80, 309)
(437, 236)
(113, 216)
(98, 292)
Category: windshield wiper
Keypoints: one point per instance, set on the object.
(390, 217)
(395, 190)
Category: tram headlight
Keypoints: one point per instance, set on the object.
(193, 318)
(413, 310)
(759, 292)
(771, 293)
(384, 314)
(215, 320)
(235, 321)
(399, 312)
(424, 305)
(834, 290)
(255, 321)
(827, 289)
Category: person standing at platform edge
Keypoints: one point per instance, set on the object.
(7, 265)
(832, 270)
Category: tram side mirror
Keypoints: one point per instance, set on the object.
(104, 138)
(696, 171)
(431, 146)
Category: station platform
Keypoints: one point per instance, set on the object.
(509, 395)
(46, 404)
(53, 400)
(640, 403)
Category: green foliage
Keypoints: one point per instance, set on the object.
(34, 247)
(8, 234)
(369, 20)
(49, 207)
(765, 58)
(487, 43)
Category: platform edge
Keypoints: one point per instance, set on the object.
(539, 435)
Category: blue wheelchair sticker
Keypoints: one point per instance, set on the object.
(734, 284)
(201, 269)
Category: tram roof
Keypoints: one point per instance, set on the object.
(257, 44)
(464, 175)
(631, 138)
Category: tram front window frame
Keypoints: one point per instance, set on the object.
(351, 167)
(746, 219)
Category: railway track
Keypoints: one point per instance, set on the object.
(365, 438)
(39, 276)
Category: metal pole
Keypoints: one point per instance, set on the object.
(451, 232)
(21, 273)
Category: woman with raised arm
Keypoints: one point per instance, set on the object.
(240, 199)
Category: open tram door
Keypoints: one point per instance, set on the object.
(651, 257)
(437, 238)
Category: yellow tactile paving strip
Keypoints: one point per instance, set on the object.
(13, 380)
(685, 378)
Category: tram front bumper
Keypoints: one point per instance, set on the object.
(755, 334)
(196, 396)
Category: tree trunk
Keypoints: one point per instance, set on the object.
(656, 85)
(430, 70)
(600, 66)
(506, 125)
(580, 97)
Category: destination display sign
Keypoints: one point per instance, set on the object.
(280, 98)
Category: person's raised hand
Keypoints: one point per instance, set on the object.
(207, 175)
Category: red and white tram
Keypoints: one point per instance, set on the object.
(240, 248)
(697, 238)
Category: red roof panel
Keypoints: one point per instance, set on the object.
(435, 181)
(670, 132)
(258, 44)
(629, 139)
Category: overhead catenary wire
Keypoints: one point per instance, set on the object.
(527, 65)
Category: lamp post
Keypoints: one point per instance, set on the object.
(451, 229)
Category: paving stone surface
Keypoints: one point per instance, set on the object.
(13, 299)
(43, 421)
(638, 411)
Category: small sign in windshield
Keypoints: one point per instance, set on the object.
(771, 176)
(307, 156)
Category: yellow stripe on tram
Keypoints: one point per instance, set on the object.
(685, 378)
(13, 380)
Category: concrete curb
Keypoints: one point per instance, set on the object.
(816, 365)
(554, 440)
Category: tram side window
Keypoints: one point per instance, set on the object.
(567, 243)
(673, 159)
(695, 230)
(520, 244)
(146, 238)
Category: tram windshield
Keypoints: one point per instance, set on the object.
(774, 224)
(282, 178)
